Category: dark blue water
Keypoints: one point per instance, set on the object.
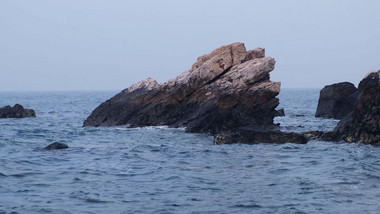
(162, 170)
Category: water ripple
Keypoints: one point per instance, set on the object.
(163, 170)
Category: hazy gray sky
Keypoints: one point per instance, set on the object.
(110, 44)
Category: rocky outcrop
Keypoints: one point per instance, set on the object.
(56, 146)
(223, 90)
(363, 123)
(17, 111)
(337, 100)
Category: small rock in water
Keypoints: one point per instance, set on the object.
(56, 145)
(222, 139)
(17, 111)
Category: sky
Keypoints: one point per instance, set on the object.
(50, 45)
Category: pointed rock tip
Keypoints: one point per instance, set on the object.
(254, 54)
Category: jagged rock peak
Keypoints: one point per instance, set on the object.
(237, 52)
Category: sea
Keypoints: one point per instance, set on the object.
(166, 170)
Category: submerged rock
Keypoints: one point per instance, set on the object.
(336, 100)
(17, 111)
(56, 145)
(225, 89)
(363, 123)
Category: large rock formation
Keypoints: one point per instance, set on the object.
(337, 100)
(363, 123)
(225, 89)
(17, 111)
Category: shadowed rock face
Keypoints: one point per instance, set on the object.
(17, 111)
(225, 89)
(363, 123)
(337, 100)
(279, 113)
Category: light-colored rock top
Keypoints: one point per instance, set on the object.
(241, 68)
(242, 76)
(251, 71)
(211, 65)
(147, 84)
(237, 50)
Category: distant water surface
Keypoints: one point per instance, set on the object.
(164, 170)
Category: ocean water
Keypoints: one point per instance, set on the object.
(164, 170)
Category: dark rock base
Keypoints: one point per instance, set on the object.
(256, 137)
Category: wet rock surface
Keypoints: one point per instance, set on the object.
(336, 100)
(252, 136)
(225, 89)
(17, 111)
